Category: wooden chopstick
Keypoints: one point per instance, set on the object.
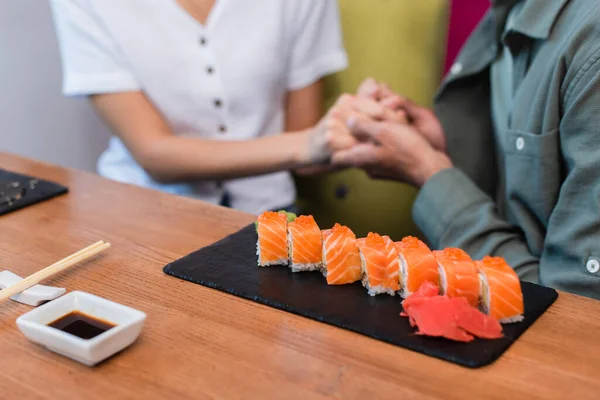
(53, 269)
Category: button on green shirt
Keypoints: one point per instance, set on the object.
(502, 95)
(545, 217)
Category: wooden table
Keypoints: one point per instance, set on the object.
(200, 343)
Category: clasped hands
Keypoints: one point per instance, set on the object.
(384, 134)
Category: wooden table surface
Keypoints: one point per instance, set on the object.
(200, 343)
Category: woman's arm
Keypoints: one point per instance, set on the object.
(304, 107)
(169, 158)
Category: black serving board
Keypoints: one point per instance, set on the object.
(230, 266)
(18, 191)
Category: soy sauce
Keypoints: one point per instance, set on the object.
(81, 325)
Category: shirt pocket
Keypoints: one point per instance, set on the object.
(533, 172)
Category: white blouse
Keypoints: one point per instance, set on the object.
(224, 80)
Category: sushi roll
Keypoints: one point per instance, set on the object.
(271, 247)
(417, 265)
(304, 244)
(380, 264)
(341, 260)
(458, 275)
(501, 295)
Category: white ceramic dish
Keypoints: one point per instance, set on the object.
(35, 295)
(128, 321)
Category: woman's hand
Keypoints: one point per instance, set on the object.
(317, 144)
(331, 134)
(421, 118)
(390, 150)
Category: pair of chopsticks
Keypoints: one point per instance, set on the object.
(53, 269)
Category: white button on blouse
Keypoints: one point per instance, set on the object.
(225, 80)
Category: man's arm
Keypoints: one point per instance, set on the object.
(453, 211)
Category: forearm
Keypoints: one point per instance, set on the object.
(180, 158)
(168, 157)
(453, 212)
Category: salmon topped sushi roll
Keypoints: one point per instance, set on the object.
(304, 244)
(271, 246)
(501, 295)
(417, 265)
(458, 275)
(341, 260)
(380, 264)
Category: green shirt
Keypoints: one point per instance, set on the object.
(501, 84)
(548, 226)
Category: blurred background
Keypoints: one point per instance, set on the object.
(35, 119)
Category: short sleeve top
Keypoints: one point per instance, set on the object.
(223, 80)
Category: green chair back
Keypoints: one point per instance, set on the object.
(402, 43)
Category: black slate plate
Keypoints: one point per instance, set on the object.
(230, 266)
(18, 191)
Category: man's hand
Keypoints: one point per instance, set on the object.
(373, 90)
(421, 118)
(391, 150)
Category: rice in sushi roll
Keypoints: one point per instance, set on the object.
(458, 275)
(271, 247)
(417, 265)
(304, 244)
(501, 295)
(380, 264)
(341, 260)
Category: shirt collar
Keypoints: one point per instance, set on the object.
(536, 17)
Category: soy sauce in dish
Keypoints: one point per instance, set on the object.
(81, 325)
